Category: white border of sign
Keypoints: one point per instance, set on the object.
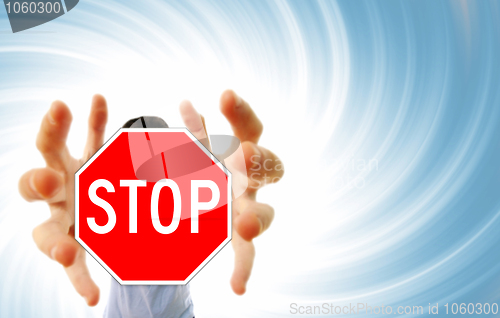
(229, 206)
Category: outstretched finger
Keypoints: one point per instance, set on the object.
(51, 139)
(194, 122)
(97, 125)
(52, 238)
(244, 254)
(254, 219)
(42, 184)
(245, 124)
(263, 166)
(79, 276)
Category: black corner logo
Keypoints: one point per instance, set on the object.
(25, 15)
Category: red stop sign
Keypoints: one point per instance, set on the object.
(153, 206)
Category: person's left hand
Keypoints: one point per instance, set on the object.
(250, 218)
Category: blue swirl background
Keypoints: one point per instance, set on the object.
(385, 113)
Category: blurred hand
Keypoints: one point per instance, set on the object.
(54, 184)
(250, 218)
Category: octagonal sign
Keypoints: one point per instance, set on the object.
(153, 206)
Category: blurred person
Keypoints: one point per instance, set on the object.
(54, 184)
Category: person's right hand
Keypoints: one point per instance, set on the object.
(54, 184)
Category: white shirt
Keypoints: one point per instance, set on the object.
(149, 301)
